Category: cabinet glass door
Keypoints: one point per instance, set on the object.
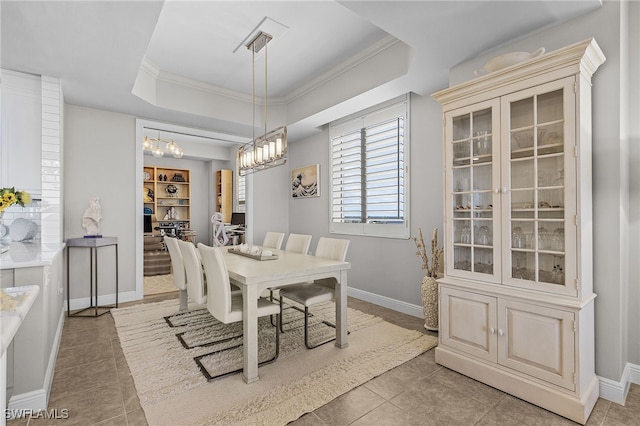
(536, 200)
(473, 233)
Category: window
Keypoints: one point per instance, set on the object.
(369, 179)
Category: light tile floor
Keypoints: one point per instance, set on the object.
(93, 382)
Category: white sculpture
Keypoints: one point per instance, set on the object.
(219, 235)
(92, 217)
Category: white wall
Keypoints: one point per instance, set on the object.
(268, 193)
(99, 158)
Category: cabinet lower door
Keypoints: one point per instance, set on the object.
(537, 341)
(468, 323)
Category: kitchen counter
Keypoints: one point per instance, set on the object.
(31, 354)
(28, 254)
(16, 302)
(12, 316)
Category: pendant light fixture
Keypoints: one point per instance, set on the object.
(158, 147)
(270, 149)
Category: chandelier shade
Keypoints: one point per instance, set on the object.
(158, 147)
(270, 149)
(264, 152)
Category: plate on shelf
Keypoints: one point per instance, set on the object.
(146, 176)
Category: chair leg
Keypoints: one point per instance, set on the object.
(282, 324)
(210, 378)
(184, 300)
(271, 316)
(306, 331)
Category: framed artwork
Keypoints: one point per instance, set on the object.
(305, 182)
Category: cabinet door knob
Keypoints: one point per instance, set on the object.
(505, 190)
(492, 330)
(497, 190)
(500, 332)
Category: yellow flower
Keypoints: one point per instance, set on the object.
(25, 197)
(9, 198)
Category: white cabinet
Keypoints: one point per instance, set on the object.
(517, 297)
(530, 339)
(21, 141)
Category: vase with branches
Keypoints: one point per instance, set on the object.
(431, 267)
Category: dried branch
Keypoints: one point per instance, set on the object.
(430, 268)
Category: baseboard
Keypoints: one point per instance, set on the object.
(33, 400)
(106, 299)
(387, 302)
(48, 377)
(617, 391)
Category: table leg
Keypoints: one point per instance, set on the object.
(68, 295)
(95, 257)
(250, 333)
(341, 311)
(117, 291)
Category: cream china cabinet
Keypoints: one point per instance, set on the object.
(516, 302)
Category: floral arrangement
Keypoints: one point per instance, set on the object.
(431, 270)
(9, 197)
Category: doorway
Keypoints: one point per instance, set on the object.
(204, 153)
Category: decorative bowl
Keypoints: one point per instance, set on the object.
(507, 60)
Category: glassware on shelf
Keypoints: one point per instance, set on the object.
(557, 242)
(518, 239)
(484, 236)
(465, 234)
(482, 142)
(543, 239)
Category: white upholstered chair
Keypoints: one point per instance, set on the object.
(273, 240)
(319, 291)
(225, 305)
(298, 243)
(179, 276)
(193, 269)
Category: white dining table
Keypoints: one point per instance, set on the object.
(255, 276)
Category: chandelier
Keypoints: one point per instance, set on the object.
(157, 147)
(270, 149)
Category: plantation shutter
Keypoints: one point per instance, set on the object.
(368, 174)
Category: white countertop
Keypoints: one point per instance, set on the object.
(28, 254)
(11, 318)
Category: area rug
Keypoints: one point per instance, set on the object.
(172, 390)
(158, 284)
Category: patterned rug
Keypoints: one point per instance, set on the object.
(172, 389)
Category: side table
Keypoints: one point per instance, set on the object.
(92, 244)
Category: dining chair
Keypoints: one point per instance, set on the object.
(298, 243)
(225, 306)
(273, 240)
(179, 275)
(196, 289)
(319, 291)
